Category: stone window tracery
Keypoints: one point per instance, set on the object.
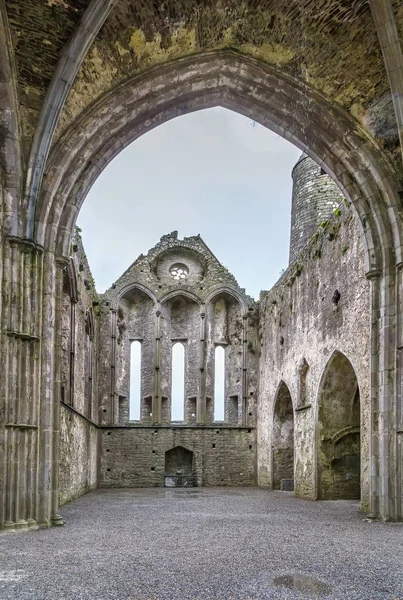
(179, 271)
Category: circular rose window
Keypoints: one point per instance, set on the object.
(179, 272)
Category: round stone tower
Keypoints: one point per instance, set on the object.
(314, 198)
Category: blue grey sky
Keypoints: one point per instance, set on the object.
(212, 172)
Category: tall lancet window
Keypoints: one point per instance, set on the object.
(135, 381)
(178, 382)
(219, 383)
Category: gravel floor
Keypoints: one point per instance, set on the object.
(204, 543)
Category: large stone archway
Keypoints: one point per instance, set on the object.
(278, 101)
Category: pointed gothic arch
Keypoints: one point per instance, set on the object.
(338, 432)
(283, 439)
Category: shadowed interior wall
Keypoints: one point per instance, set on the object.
(283, 437)
(178, 460)
(339, 432)
(78, 456)
(135, 456)
(78, 378)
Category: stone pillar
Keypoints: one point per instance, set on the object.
(384, 436)
(399, 392)
(201, 398)
(244, 416)
(56, 519)
(20, 388)
(113, 409)
(387, 396)
(47, 390)
(157, 400)
(374, 366)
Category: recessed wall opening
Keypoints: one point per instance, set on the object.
(146, 410)
(123, 410)
(209, 410)
(339, 440)
(135, 381)
(191, 408)
(283, 440)
(178, 382)
(165, 410)
(179, 467)
(232, 410)
(219, 384)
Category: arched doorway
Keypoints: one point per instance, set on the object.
(339, 432)
(283, 440)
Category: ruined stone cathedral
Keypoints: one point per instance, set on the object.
(301, 389)
(304, 343)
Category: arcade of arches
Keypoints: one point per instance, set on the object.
(313, 370)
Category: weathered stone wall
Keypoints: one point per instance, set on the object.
(203, 308)
(319, 306)
(78, 456)
(135, 456)
(135, 321)
(78, 377)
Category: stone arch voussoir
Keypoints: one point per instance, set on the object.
(244, 85)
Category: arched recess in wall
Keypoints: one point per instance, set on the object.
(178, 382)
(135, 381)
(180, 324)
(338, 432)
(134, 342)
(88, 389)
(68, 324)
(225, 352)
(219, 384)
(303, 369)
(283, 440)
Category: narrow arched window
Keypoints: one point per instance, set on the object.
(178, 383)
(135, 381)
(219, 383)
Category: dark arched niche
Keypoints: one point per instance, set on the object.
(179, 467)
(283, 440)
(339, 432)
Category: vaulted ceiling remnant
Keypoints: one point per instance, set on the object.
(332, 45)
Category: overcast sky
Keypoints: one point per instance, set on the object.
(212, 172)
